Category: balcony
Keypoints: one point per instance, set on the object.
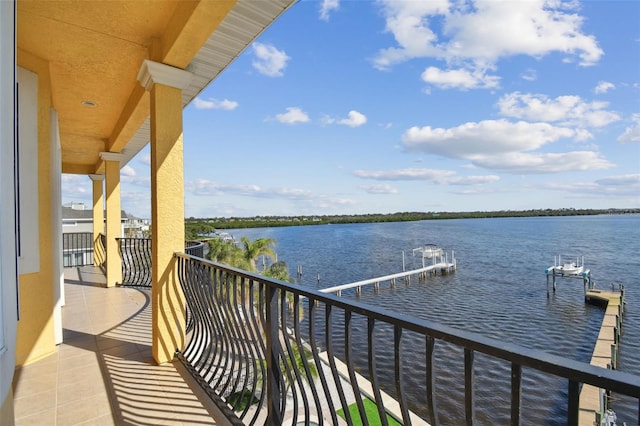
(104, 373)
(261, 351)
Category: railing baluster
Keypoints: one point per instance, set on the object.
(573, 405)
(397, 341)
(305, 359)
(350, 366)
(313, 308)
(332, 361)
(373, 374)
(516, 388)
(468, 387)
(291, 369)
(431, 381)
(274, 377)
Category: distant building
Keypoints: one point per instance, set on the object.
(77, 233)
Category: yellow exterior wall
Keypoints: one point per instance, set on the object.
(35, 332)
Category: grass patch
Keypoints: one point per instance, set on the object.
(371, 411)
(241, 399)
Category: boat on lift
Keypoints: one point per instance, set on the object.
(429, 251)
(570, 267)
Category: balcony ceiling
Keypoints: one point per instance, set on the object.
(94, 50)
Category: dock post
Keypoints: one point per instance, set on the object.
(376, 286)
(358, 290)
(614, 356)
(393, 282)
(547, 285)
(554, 280)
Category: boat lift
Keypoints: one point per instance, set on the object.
(567, 267)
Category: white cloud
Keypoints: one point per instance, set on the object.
(535, 28)
(204, 187)
(383, 188)
(504, 146)
(404, 174)
(530, 75)
(356, 119)
(622, 180)
(631, 133)
(212, 103)
(310, 199)
(624, 186)
(565, 110)
(489, 137)
(292, 116)
(460, 78)
(538, 163)
(442, 177)
(269, 60)
(127, 171)
(145, 159)
(76, 188)
(326, 7)
(604, 87)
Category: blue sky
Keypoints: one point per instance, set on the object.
(354, 107)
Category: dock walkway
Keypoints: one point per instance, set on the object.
(605, 352)
(443, 267)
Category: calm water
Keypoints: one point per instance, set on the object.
(498, 290)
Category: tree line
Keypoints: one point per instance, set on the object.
(204, 226)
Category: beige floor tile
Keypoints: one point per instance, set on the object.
(81, 389)
(43, 418)
(81, 411)
(28, 385)
(34, 403)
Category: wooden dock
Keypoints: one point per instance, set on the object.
(605, 353)
(443, 267)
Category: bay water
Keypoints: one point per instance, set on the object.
(498, 290)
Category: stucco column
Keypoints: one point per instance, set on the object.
(98, 219)
(112, 194)
(167, 204)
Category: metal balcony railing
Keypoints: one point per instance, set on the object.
(135, 254)
(77, 249)
(269, 352)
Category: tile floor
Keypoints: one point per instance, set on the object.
(103, 373)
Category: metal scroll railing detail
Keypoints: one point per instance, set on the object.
(270, 352)
(135, 254)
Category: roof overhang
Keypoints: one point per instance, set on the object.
(94, 50)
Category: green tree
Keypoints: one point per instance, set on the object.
(257, 248)
(225, 252)
(279, 271)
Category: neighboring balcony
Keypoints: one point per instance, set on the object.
(260, 351)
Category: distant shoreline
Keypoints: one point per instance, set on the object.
(273, 221)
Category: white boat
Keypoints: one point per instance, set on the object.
(570, 268)
(429, 251)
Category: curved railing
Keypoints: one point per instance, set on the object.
(270, 352)
(135, 254)
(194, 248)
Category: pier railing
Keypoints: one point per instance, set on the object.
(270, 352)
